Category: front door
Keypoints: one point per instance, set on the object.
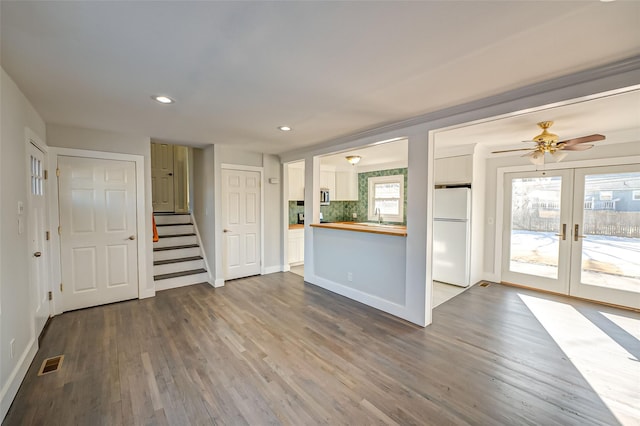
(37, 232)
(241, 217)
(575, 232)
(99, 257)
(162, 177)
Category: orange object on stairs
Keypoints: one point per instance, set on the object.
(156, 238)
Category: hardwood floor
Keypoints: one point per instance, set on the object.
(273, 350)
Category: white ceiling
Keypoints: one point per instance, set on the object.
(393, 153)
(616, 116)
(240, 69)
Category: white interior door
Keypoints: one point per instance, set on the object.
(162, 177)
(37, 226)
(536, 247)
(606, 235)
(99, 258)
(241, 218)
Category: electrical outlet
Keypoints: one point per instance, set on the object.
(349, 276)
(355, 215)
(11, 345)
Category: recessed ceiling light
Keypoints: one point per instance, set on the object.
(163, 99)
(284, 128)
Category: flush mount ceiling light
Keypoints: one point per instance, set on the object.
(284, 128)
(353, 159)
(163, 99)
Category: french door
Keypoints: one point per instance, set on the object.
(575, 232)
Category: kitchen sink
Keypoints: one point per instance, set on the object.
(383, 225)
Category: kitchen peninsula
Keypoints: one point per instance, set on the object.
(364, 261)
(370, 227)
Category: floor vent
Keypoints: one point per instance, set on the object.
(51, 365)
(485, 284)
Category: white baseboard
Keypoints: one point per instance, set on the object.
(10, 388)
(147, 293)
(365, 298)
(271, 269)
(286, 268)
(219, 282)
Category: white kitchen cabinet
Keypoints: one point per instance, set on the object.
(453, 170)
(328, 181)
(296, 184)
(346, 186)
(296, 246)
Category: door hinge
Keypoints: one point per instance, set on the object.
(50, 295)
(58, 172)
(59, 230)
(46, 174)
(61, 288)
(47, 235)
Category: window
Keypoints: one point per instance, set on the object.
(606, 195)
(636, 195)
(386, 196)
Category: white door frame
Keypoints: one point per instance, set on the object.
(499, 220)
(56, 275)
(261, 171)
(33, 139)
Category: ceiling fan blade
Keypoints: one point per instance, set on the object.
(512, 150)
(577, 147)
(583, 139)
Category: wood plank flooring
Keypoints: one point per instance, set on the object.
(273, 350)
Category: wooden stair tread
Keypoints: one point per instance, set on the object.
(178, 274)
(186, 246)
(181, 259)
(177, 235)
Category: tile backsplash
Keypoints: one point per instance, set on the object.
(363, 191)
(337, 211)
(342, 211)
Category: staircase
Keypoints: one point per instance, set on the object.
(177, 258)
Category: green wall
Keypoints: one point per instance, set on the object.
(363, 191)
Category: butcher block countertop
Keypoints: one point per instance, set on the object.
(296, 226)
(372, 228)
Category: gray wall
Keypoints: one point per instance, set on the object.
(16, 312)
(203, 202)
(207, 201)
(98, 140)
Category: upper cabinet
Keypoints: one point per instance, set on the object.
(328, 181)
(296, 184)
(454, 170)
(346, 186)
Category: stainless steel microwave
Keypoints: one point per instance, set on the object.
(324, 197)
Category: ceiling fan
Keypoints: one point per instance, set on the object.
(547, 142)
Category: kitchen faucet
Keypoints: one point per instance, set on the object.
(378, 213)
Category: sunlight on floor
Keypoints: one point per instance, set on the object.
(611, 370)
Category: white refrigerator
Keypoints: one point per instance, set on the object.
(451, 235)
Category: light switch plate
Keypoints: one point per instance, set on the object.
(20, 207)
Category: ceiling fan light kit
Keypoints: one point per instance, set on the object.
(547, 142)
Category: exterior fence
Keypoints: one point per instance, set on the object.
(595, 222)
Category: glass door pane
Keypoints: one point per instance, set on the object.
(606, 235)
(535, 221)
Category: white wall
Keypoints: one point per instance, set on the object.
(16, 314)
(99, 140)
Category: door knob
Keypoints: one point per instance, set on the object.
(37, 254)
(132, 237)
(225, 230)
(170, 174)
(576, 233)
